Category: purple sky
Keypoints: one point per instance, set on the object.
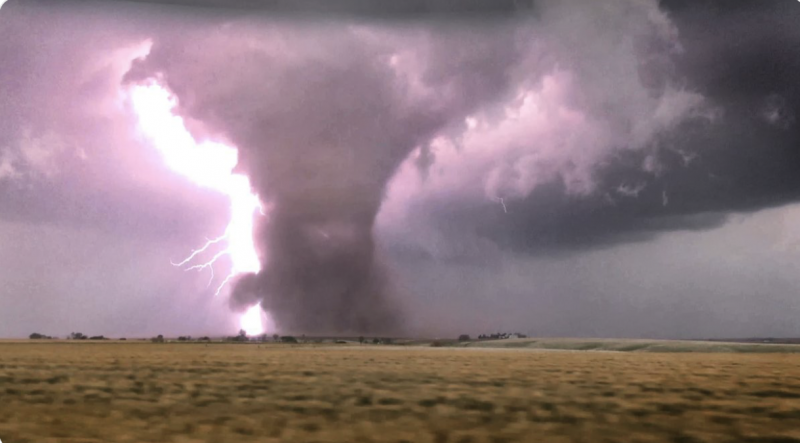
(570, 169)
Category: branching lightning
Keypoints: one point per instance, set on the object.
(199, 251)
(210, 165)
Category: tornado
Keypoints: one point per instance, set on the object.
(324, 113)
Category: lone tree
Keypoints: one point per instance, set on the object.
(77, 336)
(463, 337)
(38, 336)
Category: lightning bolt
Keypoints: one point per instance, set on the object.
(196, 252)
(502, 202)
(211, 165)
(209, 264)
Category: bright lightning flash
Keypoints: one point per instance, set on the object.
(210, 165)
(252, 321)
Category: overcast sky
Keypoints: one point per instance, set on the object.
(625, 168)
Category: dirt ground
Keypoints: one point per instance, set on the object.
(146, 392)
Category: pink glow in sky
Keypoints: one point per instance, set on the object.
(208, 164)
(536, 172)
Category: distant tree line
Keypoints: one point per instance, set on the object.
(240, 337)
(71, 336)
(501, 336)
(38, 336)
(376, 341)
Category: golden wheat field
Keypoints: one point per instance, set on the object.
(145, 392)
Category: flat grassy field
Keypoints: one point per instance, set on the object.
(146, 392)
(660, 346)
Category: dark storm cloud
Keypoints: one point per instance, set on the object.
(741, 153)
(747, 64)
(361, 9)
